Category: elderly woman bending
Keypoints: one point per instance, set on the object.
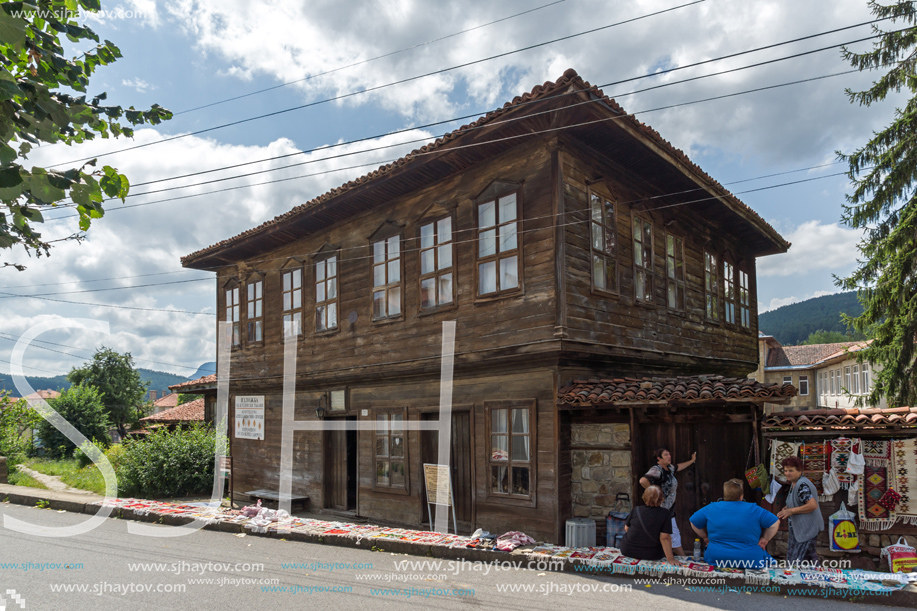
(736, 532)
(648, 529)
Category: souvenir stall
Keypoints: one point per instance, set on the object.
(863, 463)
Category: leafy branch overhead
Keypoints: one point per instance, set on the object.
(33, 111)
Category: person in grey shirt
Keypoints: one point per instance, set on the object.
(804, 515)
(662, 474)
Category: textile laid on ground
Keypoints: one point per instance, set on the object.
(904, 466)
(601, 558)
(779, 451)
(813, 463)
(840, 455)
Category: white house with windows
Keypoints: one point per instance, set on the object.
(827, 376)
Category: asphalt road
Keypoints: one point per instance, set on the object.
(109, 569)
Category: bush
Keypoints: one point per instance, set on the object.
(82, 407)
(17, 420)
(115, 455)
(87, 451)
(168, 464)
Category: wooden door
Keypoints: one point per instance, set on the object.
(341, 469)
(460, 461)
(722, 450)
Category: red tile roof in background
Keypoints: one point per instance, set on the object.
(569, 79)
(170, 400)
(205, 380)
(845, 417)
(192, 411)
(585, 393)
(787, 356)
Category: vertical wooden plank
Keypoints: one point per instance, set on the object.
(560, 249)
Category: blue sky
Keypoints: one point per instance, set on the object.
(187, 53)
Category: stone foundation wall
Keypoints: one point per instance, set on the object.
(601, 467)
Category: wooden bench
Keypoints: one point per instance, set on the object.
(273, 495)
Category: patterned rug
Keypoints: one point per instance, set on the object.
(779, 451)
(877, 452)
(813, 463)
(904, 460)
(840, 455)
(874, 516)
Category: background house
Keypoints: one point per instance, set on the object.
(603, 288)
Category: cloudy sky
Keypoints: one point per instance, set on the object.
(189, 54)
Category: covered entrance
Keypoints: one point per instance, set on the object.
(461, 462)
(340, 469)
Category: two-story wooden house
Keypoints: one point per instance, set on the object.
(569, 242)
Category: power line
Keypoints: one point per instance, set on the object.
(386, 85)
(29, 286)
(109, 305)
(117, 288)
(366, 61)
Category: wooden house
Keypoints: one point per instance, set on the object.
(569, 242)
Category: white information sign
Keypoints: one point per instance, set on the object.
(250, 417)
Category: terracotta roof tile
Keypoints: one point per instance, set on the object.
(684, 388)
(205, 380)
(168, 401)
(192, 411)
(787, 356)
(842, 418)
(569, 79)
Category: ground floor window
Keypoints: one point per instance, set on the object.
(511, 459)
(391, 457)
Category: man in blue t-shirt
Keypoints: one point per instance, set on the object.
(735, 532)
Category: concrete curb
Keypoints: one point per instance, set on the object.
(21, 495)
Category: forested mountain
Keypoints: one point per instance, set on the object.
(159, 380)
(792, 324)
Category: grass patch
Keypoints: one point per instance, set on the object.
(21, 479)
(68, 469)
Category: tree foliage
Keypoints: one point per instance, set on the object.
(118, 382)
(82, 407)
(883, 204)
(17, 420)
(168, 463)
(33, 111)
(827, 337)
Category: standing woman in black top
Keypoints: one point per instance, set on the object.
(648, 529)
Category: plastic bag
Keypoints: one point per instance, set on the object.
(843, 530)
(902, 558)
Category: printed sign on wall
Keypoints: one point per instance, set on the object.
(250, 417)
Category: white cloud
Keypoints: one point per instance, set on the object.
(815, 246)
(139, 84)
(779, 302)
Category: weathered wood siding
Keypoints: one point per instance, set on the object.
(638, 336)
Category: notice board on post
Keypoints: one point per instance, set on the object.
(438, 479)
(250, 417)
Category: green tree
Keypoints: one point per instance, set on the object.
(33, 111)
(832, 337)
(883, 204)
(118, 382)
(17, 420)
(82, 407)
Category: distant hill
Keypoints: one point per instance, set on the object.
(792, 324)
(159, 380)
(207, 369)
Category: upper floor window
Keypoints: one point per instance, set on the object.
(744, 300)
(847, 379)
(232, 314)
(292, 302)
(729, 286)
(855, 380)
(711, 286)
(787, 379)
(604, 244)
(326, 294)
(643, 260)
(255, 303)
(803, 385)
(864, 378)
(498, 245)
(675, 271)
(436, 273)
(387, 278)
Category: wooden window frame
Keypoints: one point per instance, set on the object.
(437, 272)
(385, 239)
(730, 301)
(744, 301)
(290, 268)
(606, 254)
(252, 285)
(672, 282)
(232, 297)
(322, 259)
(711, 293)
(405, 459)
(494, 196)
(510, 498)
(804, 378)
(650, 277)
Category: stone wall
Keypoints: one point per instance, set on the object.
(601, 467)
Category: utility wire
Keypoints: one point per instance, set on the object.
(385, 85)
(372, 59)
